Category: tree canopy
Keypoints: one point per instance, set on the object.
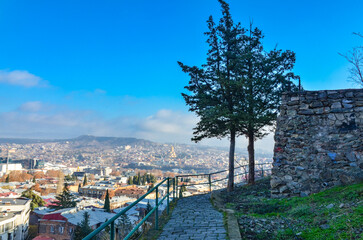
(64, 200)
(238, 90)
(83, 228)
(37, 201)
(107, 205)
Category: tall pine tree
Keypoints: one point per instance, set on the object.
(107, 205)
(214, 86)
(83, 228)
(85, 180)
(263, 76)
(238, 90)
(64, 200)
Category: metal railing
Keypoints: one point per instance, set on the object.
(176, 188)
(155, 209)
(258, 169)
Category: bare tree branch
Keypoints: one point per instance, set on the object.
(355, 58)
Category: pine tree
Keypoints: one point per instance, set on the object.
(138, 179)
(143, 179)
(107, 205)
(64, 200)
(129, 181)
(7, 179)
(265, 75)
(183, 188)
(124, 226)
(85, 180)
(34, 179)
(238, 90)
(148, 209)
(150, 187)
(83, 228)
(37, 201)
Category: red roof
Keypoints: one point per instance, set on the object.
(54, 216)
(7, 194)
(49, 202)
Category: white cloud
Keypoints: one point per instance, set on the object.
(31, 106)
(21, 78)
(164, 126)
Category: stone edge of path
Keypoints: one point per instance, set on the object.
(232, 224)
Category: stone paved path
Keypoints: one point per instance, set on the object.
(194, 218)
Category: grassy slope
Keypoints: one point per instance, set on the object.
(336, 213)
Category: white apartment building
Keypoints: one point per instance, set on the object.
(14, 218)
(4, 168)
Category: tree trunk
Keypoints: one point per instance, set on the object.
(231, 161)
(251, 158)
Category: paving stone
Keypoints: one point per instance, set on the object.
(194, 218)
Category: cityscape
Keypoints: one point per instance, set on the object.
(181, 120)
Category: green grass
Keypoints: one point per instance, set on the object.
(310, 216)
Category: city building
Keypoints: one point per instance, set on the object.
(14, 218)
(60, 225)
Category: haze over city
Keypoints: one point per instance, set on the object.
(68, 69)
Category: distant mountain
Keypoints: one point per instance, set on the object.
(93, 141)
(25, 140)
(84, 141)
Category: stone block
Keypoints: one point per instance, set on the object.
(323, 122)
(336, 105)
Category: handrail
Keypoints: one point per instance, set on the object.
(155, 209)
(210, 182)
(112, 220)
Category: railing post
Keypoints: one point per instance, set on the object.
(174, 189)
(176, 186)
(262, 172)
(168, 186)
(157, 209)
(210, 182)
(112, 231)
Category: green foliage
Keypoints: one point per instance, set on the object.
(183, 188)
(135, 179)
(310, 215)
(70, 178)
(124, 226)
(37, 201)
(64, 200)
(238, 90)
(83, 228)
(107, 205)
(34, 179)
(130, 181)
(148, 208)
(138, 179)
(85, 180)
(300, 211)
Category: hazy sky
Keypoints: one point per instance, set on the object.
(109, 68)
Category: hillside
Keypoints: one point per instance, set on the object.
(335, 213)
(83, 141)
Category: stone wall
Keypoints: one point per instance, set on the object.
(318, 142)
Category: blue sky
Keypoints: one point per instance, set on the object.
(109, 67)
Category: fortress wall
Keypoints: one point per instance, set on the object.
(318, 142)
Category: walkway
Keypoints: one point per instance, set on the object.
(194, 218)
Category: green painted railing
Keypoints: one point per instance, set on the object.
(155, 209)
(210, 182)
(175, 191)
